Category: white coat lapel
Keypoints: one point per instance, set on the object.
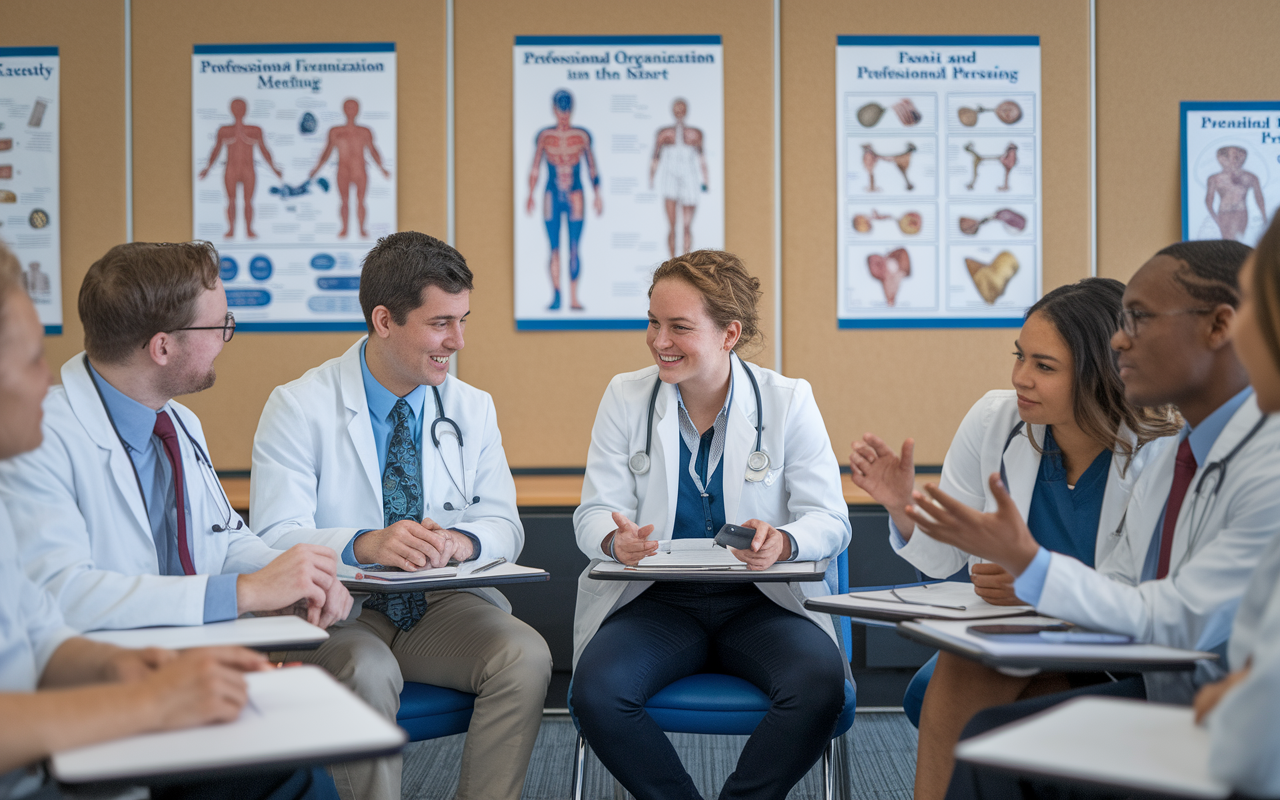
(667, 443)
(1022, 465)
(358, 425)
(739, 441)
(87, 405)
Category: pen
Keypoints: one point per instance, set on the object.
(488, 566)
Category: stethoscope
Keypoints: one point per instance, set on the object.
(757, 461)
(435, 440)
(207, 474)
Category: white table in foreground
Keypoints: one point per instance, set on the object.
(1118, 743)
(258, 633)
(295, 716)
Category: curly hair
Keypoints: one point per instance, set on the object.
(729, 293)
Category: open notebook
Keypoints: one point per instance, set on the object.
(946, 600)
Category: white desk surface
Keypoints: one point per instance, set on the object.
(946, 600)
(1121, 743)
(1137, 653)
(275, 633)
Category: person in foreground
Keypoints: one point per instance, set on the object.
(119, 513)
(1240, 710)
(708, 410)
(59, 691)
(1071, 449)
(383, 456)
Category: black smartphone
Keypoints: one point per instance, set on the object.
(735, 536)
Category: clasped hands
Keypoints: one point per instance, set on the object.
(630, 543)
(413, 546)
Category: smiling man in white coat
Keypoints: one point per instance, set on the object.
(119, 513)
(383, 456)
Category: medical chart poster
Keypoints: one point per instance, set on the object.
(293, 175)
(938, 142)
(1230, 169)
(30, 216)
(619, 164)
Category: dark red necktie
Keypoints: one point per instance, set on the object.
(169, 438)
(1183, 471)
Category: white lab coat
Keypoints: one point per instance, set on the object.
(801, 491)
(975, 454)
(82, 528)
(316, 476)
(1218, 541)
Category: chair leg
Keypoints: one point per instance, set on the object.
(579, 767)
(826, 773)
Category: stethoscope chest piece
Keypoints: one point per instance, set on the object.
(757, 466)
(639, 463)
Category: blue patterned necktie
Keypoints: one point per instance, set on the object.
(401, 499)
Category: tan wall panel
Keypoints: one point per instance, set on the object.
(90, 41)
(163, 35)
(913, 383)
(1153, 54)
(547, 385)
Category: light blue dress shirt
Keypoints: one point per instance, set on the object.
(382, 401)
(1030, 584)
(135, 423)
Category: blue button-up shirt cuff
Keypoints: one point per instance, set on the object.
(220, 601)
(1030, 584)
(349, 552)
(795, 548)
(895, 537)
(475, 543)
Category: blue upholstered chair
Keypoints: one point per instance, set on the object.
(913, 698)
(429, 712)
(711, 703)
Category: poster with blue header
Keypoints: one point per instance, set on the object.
(293, 175)
(618, 165)
(938, 143)
(1230, 169)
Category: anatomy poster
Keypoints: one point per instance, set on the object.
(938, 151)
(294, 175)
(619, 165)
(1230, 169)
(30, 218)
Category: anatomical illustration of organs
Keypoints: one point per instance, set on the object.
(1013, 222)
(906, 111)
(909, 223)
(1008, 159)
(992, 279)
(890, 271)
(1007, 112)
(902, 160)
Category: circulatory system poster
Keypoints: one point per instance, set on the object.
(1230, 169)
(294, 175)
(938, 185)
(619, 165)
(30, 217)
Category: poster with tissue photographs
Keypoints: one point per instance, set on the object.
(938, 142)
(1230, 169)
(293, 175)
(30, 215)
(618, 165)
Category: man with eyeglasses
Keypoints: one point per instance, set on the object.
(1200, 516)
(119, 513)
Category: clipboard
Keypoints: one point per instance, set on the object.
(295, 717)
(782, 572)
(285, 632)
(945, 600)
(500, 575)
(950, 635)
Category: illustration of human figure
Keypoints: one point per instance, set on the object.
(1233, 185)
(240, 139)
(351, 140)
(681, 168)
(564, 147)
(37, 282)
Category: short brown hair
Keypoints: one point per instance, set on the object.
(140, 289)
(1266, 288)
(10, 278)
(728, 291)
(400, 266)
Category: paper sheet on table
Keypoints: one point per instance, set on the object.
(700, 555)
(946, 600)
(396, 576)
(348, 577)
(283, 632)
(1119, 742)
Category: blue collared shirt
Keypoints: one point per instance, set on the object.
(382, 401)
(135, 423)
(1030, 584)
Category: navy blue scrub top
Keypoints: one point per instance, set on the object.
(1065, 520)
(699, 517)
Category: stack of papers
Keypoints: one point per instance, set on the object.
(387, 574)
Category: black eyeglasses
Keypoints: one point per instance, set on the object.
(1130, 318)
(228, 328)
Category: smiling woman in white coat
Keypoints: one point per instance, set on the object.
(672, 457)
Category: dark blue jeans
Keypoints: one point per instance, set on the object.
(674, 630)
(303, 784)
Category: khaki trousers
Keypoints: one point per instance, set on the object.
(463, 642)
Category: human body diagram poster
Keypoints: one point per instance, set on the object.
(619, 164)
(939, 193)
(1230, 169)
(294, 175)
(30, 217)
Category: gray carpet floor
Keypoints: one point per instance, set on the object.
(881, 751)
